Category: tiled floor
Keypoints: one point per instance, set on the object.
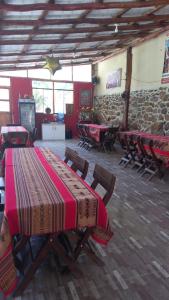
(136, 259)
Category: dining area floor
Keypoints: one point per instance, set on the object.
(136, 260)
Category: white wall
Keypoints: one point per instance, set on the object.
(147, 66)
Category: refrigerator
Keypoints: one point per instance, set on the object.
(27, 113)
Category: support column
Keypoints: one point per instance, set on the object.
(126, 94)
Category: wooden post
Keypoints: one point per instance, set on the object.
(126, 94)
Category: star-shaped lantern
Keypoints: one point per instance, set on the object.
(52, 64)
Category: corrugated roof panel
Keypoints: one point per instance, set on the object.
(73, 1)
(18, 2)
(47, 37)
(76, 35)
(88, 45)
(16, 27)
(107, 43)
(11, 48)
(39, 47)
(133, 12)
(103, 33)
(55, 27)
(106, 13)
(163, 11)
(29, 15)
(84, 25)
(65, 14)
(14, 37)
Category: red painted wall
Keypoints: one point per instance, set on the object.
(72, 120)
(23, 86)
(19, 88)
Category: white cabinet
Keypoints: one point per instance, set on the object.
(53, 131)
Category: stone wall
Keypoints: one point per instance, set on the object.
(110, 108)
(148, 111)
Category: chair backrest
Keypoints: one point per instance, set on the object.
(80, 164)
(104, 178)
(69, 154)
(34, 134)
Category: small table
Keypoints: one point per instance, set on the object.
(14, 135)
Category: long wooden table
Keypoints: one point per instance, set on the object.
(44, 197)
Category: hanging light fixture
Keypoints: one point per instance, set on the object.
(52, 64)
(116, 28)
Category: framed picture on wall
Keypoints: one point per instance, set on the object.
(165, 74)
(114, 79)
(86, 98)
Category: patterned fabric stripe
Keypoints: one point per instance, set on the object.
(7, 268)
(87, 202)
(36, 195)
(69, 201)
(10, 199)
(8, 279)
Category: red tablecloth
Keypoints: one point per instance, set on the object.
(96, 130)
(160, 143)
(14, 135)
(43, 195)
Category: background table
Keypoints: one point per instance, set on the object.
(14, 134)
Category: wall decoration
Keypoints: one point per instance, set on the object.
(165, 75)
(114, 79)
(86, 98)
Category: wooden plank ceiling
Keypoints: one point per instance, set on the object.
(74, 31)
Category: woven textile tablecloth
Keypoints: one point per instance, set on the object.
(43, 195)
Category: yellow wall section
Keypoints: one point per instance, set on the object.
(148, 60)
(106, 67)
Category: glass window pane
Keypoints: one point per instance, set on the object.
(39, 73)
(48, 99)
(63, 86)
(61, 98)
(4, 94)
(64, 74)
(4, 81)
(4, 105)
(42, 84)
(82, 73)
(39, 100)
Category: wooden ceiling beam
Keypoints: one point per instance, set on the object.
(83, 30)
(104, 21)
(82, 6)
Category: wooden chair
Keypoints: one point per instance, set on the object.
(109, 138)
(78, 163)
(130, 151)
(153, 164)
(69, 154)
(107, 180)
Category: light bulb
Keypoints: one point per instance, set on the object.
(116, 28)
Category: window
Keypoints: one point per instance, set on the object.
(54, 95)
(61, 98)
(43, 95)
(4, 94)
(63, 94)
